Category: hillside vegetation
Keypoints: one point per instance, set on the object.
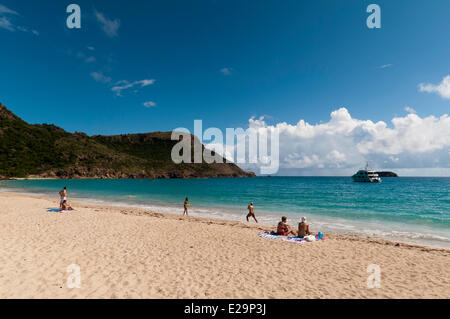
(44, 150)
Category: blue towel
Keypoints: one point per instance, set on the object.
(54, 210)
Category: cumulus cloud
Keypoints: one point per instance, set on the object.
(100, 77)
(443, 88)
(125, 85)
(344, 144)
(410, 109)
(384, 66)
(110, 27)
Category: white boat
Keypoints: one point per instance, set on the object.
(366, 176)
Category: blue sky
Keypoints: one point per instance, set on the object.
(288, 60)
(220, 61)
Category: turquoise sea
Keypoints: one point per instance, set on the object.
(407, 209)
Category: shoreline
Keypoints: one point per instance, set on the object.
(126, 252)
(218, 177)
(142, 211)
(321, 223)
(37, 178)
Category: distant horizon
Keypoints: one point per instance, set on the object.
(257, 176)
(395, 170)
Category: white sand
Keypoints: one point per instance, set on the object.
(133, 253)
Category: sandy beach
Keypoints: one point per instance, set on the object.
(135, 253)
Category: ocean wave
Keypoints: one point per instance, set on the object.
(409, 235)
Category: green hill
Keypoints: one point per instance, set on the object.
(48, 151)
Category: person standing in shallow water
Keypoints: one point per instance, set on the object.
(251, 212)
(186, 207)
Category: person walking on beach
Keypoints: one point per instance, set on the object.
(251, 212)
(283, 228)
(303, 228)
(63, 196)
(186, 207)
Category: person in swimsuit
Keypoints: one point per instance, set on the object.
(303, 228)
(251, 212)
(186, 206)
(283, 228)
(63, 196)
(65, 206)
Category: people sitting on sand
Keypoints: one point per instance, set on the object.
(251, 212)
(283, 228)
(65, 206)
(62, 196)
(303, 228)
(186, 206)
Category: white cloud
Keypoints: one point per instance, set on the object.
(410, 109)
(5, 10)
(344, 144)
(6, 24)
(443, 88)
(99, 77)
(226, 71)
(384, 66)
(6, 21)
(149, 104)
(125, 85)
(110, 27)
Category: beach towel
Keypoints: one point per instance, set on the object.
(295, 240)
(58, 210)
(318, 237)
(266, 235)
